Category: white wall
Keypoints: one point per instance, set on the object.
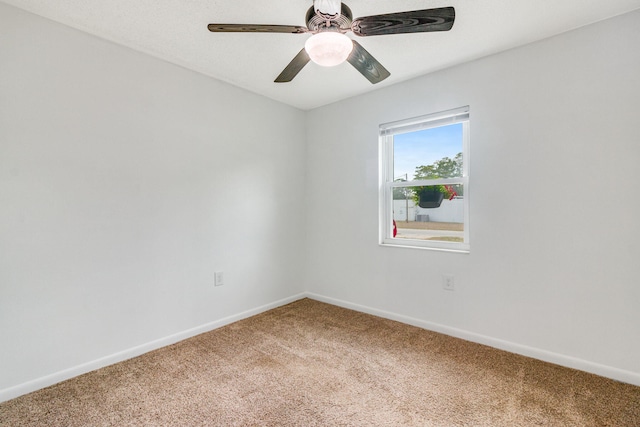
(117, 173)
(554, 135)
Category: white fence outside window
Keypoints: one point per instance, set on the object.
(449, 211)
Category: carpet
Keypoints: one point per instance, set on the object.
(313, 364)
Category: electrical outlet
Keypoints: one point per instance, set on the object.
(447, 282)
(218, 278)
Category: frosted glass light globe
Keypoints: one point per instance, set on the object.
(328, 48)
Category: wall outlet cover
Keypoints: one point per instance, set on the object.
(447, 282)
(218, 278)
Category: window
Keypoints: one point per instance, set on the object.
(424, 181)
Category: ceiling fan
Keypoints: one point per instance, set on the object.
(329, 20)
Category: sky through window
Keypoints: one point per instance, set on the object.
(424, 147)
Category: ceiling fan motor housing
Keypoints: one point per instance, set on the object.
(316, 22)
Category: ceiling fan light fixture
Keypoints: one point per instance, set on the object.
(328, 48)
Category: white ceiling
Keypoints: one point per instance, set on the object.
(176, 31)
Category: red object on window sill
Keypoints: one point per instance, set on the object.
(395, 229)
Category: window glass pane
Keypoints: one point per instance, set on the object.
(428, 154)
(433, 212)
(424, 173)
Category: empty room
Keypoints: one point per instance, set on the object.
(315, 213)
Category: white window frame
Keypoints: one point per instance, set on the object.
(387, 183)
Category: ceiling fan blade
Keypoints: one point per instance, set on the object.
(367, 64)
(417, 21)
(251, 28)
(294, 67)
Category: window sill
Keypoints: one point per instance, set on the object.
(393, 243)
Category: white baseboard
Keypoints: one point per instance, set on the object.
(48, 380)
(547, 356)
(536, 353)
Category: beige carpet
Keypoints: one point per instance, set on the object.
(313, 364)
